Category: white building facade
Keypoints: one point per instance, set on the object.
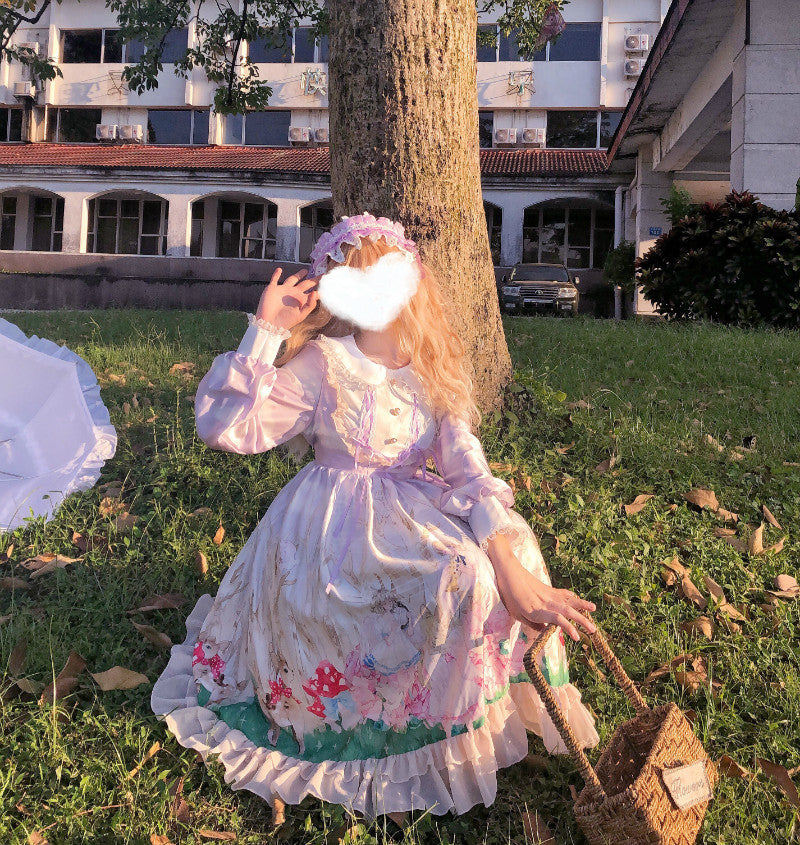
(717, 108)
(88, 167)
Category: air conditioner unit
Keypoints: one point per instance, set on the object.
(505, 136)
(535, 137)
(105, 131)
(131, 132)
(634, 67)
(322, 136)
(24, 90)
(300, 134)
(639, 43)
(33, 46)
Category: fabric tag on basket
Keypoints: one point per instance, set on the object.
(687, 785)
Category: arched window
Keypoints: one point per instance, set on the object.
(128, 225)
(578, 236)
(314, 220)
(247, 229)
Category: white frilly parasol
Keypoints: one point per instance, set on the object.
(55, 432)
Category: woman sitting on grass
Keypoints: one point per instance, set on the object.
(366, 645)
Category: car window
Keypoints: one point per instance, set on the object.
(541, 274)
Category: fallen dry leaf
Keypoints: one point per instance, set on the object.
(618, 601)
(46, 563)
(91, 543)
(153, 750)
(159, 839)
(637, 504)
(580, 405)
(606, 465)
(13, 583)
(666, 668)
(201, 512)
(219, 835)
(787, 583)
(117, 677)
(780, 775)
(715, 444)
(185, 367)
(715, 589)
(775, 548)
(36, 838)
(702, 625)
(755, 545)
(219, 536)
(7, 618)
(562, 450)
(702, 498)
(200, 563)
(124, 521)
(729, 768)
(536, 831)
(690, 680)
(737, 543)
(65, 681)
(110, 505)
(719, 531)
(535, 761)
(726, 516)
(18, 657)
(675, 566)
(770, 518)
(157, 638)
(165, 601)
(691, 592)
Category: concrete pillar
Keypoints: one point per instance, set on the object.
(765, 112)
(619, 214)
(178, 225)
(286, 247)
(24, 222)
(651, 187)
(210, 224)
(76, 222)
(511, 232)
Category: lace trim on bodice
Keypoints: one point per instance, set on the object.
(404, 385)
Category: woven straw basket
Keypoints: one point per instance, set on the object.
(652, 784)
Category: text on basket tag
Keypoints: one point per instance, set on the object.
(687, 785)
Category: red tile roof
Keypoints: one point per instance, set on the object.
(313, 160)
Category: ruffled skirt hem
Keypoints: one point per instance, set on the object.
(450, 775)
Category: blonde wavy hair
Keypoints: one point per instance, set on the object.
(422, 329)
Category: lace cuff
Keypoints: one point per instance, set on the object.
(262, 340)
(489, 517)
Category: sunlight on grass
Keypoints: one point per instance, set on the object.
(651, 393)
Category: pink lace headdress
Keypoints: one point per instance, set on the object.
(350, 230)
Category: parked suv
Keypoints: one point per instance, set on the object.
(539, 286)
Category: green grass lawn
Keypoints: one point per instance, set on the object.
(646, 395)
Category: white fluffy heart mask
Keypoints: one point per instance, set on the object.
(371, 298)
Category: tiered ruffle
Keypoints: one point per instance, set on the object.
(450, 775)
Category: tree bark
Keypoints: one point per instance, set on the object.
(404, 145)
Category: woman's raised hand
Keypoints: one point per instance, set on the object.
(288, 303)
(532, 601)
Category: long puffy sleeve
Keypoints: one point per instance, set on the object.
(246, 404)
(475, 494)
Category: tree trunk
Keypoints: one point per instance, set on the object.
(404, 145)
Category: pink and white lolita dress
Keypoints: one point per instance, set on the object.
(357, 649)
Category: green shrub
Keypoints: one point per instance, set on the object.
(620, 266)
(737, 261)
(678, 204)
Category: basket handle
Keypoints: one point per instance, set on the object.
(545, 693)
